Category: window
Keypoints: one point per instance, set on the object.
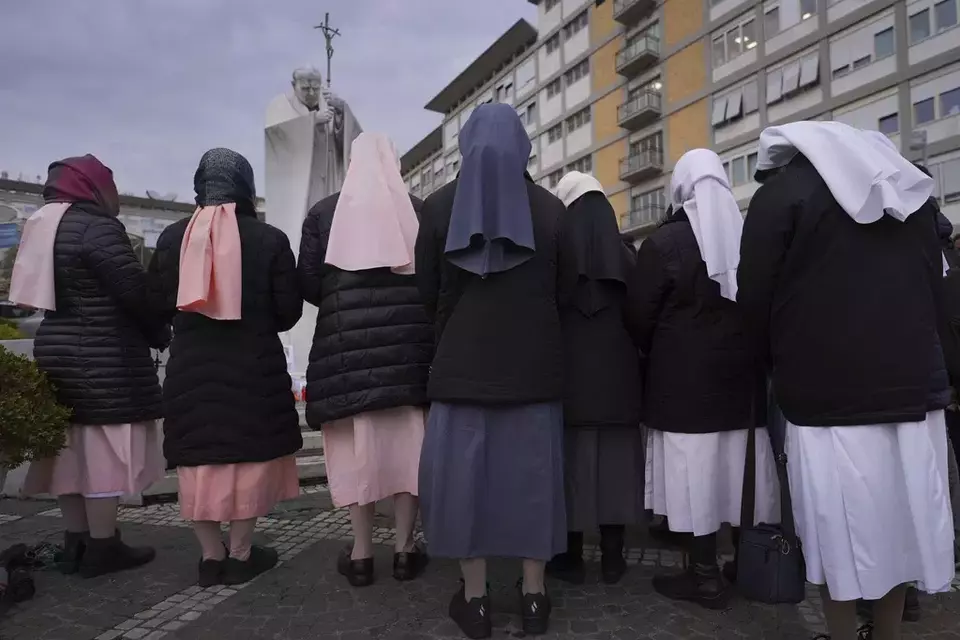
(950, 103)
(438, 173)
(883, 44)
(889, 124)
(530, 116)
(740, 169)
(733, 105)
(795, 76)
(554, 133)
(553, 43)
(553, 88)
(946, 14)
(808, 9)
(646, 208)
(550, 4)
(736, 41)
(581, 70)
(554, 178)
(859, 63)
(920, 25)
(531, 162)
(583, 165)
(578, 120)
(923, 111)
(771, 22)
(950, 180)
(650, 145)
(841, 71)
(575, 25)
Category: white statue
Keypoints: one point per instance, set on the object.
(308, 136)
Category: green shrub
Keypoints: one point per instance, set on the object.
(33, 424)
(9, 331)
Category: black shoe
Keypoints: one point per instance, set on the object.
(911, 605)
(568, 568)
(210, 571)
(359, 573)
(535, 611)
(612, 563)
(865, 632)
(108, 555)
(701, 584)
(261, 559)
(74, 545)
(407, 565)
(472, 617)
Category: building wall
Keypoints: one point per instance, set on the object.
(729, 68)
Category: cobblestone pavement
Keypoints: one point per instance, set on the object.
(305, 598)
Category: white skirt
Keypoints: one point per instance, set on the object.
(696, 479)
(872, 506)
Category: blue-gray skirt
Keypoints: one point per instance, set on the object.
(491, 481)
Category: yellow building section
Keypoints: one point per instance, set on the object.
(602, 23)
(603, 65)
(606, 164)
(681, 19)
(686, 72)
(619, 202)
(687, 129)
(605, 116)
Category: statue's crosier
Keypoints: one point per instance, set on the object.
(308, 135)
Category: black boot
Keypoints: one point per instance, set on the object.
(109, 555)
(210, 571)
(74, 545)
(472, 617)
(569, 566)
(240, 571)
(359, 573)
(535, 611)
(911, 605)
(612, 563)
(699, 583)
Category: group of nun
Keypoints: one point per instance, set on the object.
(486, 357)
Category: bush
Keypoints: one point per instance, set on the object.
(9, 331)
(33, 424)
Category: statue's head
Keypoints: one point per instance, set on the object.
(307, 83)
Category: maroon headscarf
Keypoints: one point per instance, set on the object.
(82, 179)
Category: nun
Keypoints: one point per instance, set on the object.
(702, 380)
(603, 449)
(491, 264)
(367, 377)
(840, 284)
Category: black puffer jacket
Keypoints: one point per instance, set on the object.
(227, 394)
(373, 343)
(95, 348)
(701, 374)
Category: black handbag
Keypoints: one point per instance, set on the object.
(770, 566)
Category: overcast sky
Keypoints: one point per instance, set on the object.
(149, 85)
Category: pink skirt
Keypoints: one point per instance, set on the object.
(227, 492)
(373, 455)
(101, 461)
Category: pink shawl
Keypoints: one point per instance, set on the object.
(32, 282)
(374, 224)
(210, 265)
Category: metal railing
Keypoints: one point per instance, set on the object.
(641, 217)
(647, 99)
(651, 158)
(642, 45)
(619, 6)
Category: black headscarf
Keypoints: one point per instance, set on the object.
(599, 251)
(225, 176)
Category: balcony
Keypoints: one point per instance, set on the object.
(638, 221)
(640, 166)
(640, 110)
(629, 12)
(638, 57)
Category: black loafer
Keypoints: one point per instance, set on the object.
(407, 565)
(261, 559)
(535, 611)
(472, 617)
(359, 573)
